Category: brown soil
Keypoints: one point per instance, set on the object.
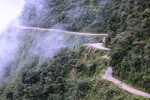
(72, 74)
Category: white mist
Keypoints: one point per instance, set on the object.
(9, 11)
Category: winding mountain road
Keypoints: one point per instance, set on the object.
(97, 46)
(108, 74)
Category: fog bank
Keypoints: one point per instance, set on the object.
(9, 11)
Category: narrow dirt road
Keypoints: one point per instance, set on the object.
(97, 46)
(57, 30)
(108, 76)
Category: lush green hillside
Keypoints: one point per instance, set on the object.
(128, 24)
(130, 57)
(76, 74)
(85, 15)
(56, 80)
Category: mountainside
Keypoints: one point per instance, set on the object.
(130, 19)
(85, 15)
(130, 55)
(70, 75)
(59, 66)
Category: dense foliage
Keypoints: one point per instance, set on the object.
(130, 41)
(53, 79)
(128, 24)
(76, 15)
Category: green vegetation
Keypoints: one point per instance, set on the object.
(85, 15)
(76, 74)
(49, 80)
(130, 54)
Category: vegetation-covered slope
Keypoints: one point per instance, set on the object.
(76, 75)
(128, 24)
(55, 80)
(76, 15)
(130, 55)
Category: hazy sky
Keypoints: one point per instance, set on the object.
(9, 10)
